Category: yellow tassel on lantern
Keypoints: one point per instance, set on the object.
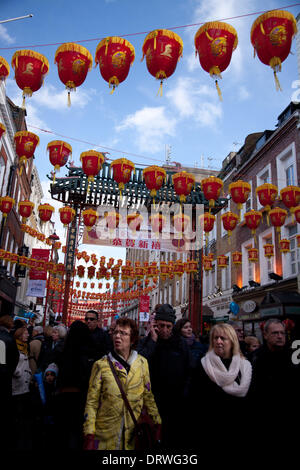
(160, 90)
(278, 87)
(218, 90)
(69, 98)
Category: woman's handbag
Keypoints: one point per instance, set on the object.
(146, 433)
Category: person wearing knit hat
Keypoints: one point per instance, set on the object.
(165, 312)
(51, 373)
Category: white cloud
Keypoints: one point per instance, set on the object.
(243, 93)
(51, 98)
(5, 36)
(151, 125)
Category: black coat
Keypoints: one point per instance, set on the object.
(100, 343)
(8, 363)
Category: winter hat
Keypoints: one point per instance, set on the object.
(165, 312)
(52, 368)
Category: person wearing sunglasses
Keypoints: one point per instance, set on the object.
(108, 423)
(100, 343)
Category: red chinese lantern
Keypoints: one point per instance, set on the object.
(267, 194)
(91, 272)
(181, 222)
(115, 56)
(157, 222)
(107, 285)
(59, 152)
(66, 215)
(30, 70)
(269, 250)
(229, 220)
(252, 219)
(297, 214)
(284, 245)
(100, 285)
(92, 162)
(163, 49)
(192, 266)
(271, 37)
(84, 285)
(4, 69)
(112, 220)
(73, 63)
(2, 130)
(236, 257)
(298, 240)
(45, 212)
(6, 205)
(222, 261)
(239, 191)
(215, 42)
(211, 188)
(154, 177)
(253, 255)
(207, 222)
(122, 169)
(164, 270)
(183, 184)
(25, 210)
(290, 197)
(134, 222)
(277, 217)
(89, 218)
(77, 284)
(178, 268)
(25, 143)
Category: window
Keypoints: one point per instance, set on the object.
(248, 204)
(226, 274)
(177, 291)
(286, 167)
(266, 264)
(289, 173)
(247, 266)
(294, 261)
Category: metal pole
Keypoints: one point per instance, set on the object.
(18, 18)
(48, 288)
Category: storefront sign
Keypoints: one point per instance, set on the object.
(144, 308)
(71, 247)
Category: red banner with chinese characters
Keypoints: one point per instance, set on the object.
(42, 255)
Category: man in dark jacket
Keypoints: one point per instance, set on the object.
(99, 338)
(170, 362)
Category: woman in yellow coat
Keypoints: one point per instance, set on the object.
(108, 424)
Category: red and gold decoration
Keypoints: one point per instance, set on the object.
(45, 212)
(122, 169)
(154, 177)
(253, 255)
(178, 268)
(183, 184)
(271, 37)
(2, 130)
(91, 272)
(297, 214)
(163, 49)
(239, 191)
(4, 69)
(25, 143)
(134, 222)
(222, 261)
(215, 42)
(114, 55)
(298, 240)
(284, 245)
(59, 152)
(89, 218)
(6, 205)
(290, 197)
(25, 210)
(236, 257)
(252, 220)
(229, 220)
(157, 222)
(207, 221)
(92, 162)
(181, 223)
(66, 215)
(267, 193)
(73, 63)
(211, 188)
(112, 219)
(269, 250)
(30, 70)
(277, 217)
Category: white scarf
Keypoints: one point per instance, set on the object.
(218, 373)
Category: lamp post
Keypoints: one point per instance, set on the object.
(53, 239)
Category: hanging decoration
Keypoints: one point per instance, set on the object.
(157, 222)
(269, 250)
(73, 63)
(4, 69)
(192, 266)
(6, 205)
(253, 255)
(91, 272)
(134, 222)
(277, 217)
(297, 214)
(236, 257)
(229, 220)
(25, 143)
(59, 152)
(271, 37)
(154, 177)
(92, 162)
(215, 42)
(114, 55)
(298, 240)
(66, 215)
(267, 193)
(222, 261)
(252, 220)
(211, 188)
(207, 221)
(89, 218)
(178, 268)
(183, 184)
(164, 270)
(290, 197)
(25, 210)
(112, 220)
(2, 130)
(122, 169)
(284, 245)
(239, 191)
(45, 212)
(30, 70)
(163, 49)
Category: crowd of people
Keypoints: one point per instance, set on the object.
(65, 387)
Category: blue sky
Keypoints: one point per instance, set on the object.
(134, 120)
